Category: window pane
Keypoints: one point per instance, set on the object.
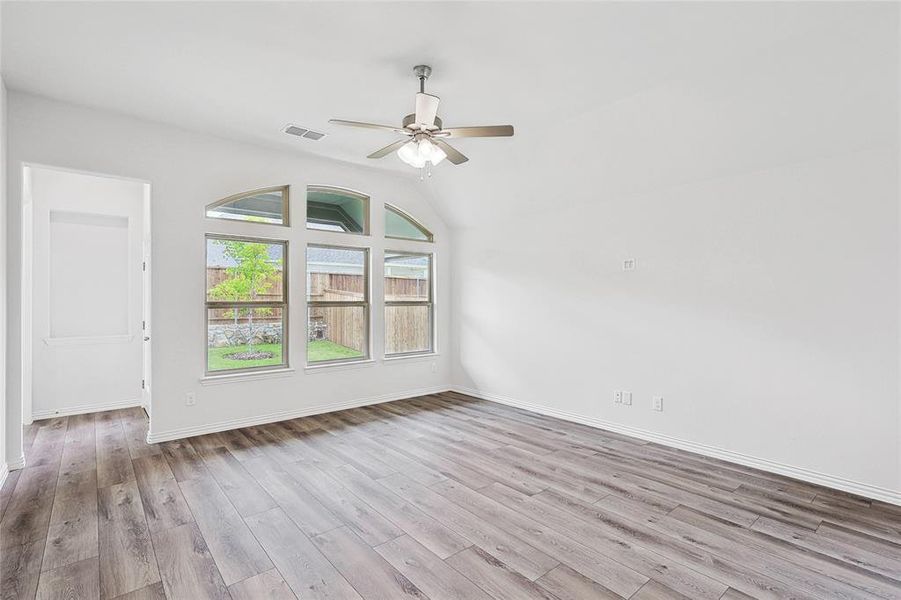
(408, 329)
(244, 338)
(333, 209)
(399, 225)
(407, 277)
(336, 333)
(244, 271)
(336, 274)
(262, 206)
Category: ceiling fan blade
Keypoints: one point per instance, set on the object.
(453, 154)
(368, 126)
(483, 131)
(388, 149)
(426, 109)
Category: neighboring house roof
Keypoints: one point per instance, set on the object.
(216, 257)
(323, 260)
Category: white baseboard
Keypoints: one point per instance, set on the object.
(154, 437)
(861, 489)
(83, 409)
(15, 465)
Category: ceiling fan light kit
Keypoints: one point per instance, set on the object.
(424, 145)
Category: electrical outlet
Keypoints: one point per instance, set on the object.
(629, 264)
(190, 399)
(617, 397)
(434, 367)
(627, 398)
(657, 403)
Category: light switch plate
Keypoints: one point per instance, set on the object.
(627, 398)
(657, 403)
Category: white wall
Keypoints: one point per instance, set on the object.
(764, 309)
(4, 423)
(186, 172)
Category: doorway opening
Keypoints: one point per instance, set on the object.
(86, 343)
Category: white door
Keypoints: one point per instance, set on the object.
(88, 292)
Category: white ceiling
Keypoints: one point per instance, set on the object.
(607, 99)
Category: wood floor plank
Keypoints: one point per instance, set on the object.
(20, 568)
(237, 553)
(80, 447)
(421, 527)
(814, 570)
(428, 572)
(653, 590)
(268, 585)
(365, 569)
(297, 502)
(183, 459)
(164, 505)
(650, 533)
(75, 581)
(366, 522)
(72, 536)
(186, 565)
(113, 457)
(6, 491)
(135, 424)
(495, 578)
(28, 515)
(612, 543)
(493, 538)
(47, 448)
(242, 490)
(858, 539)
(803, 538)
(566, 584)
(304, 568)
(151, 592)
(127, 559)
(594, 565)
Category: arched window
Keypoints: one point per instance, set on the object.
(337, 209)
(268, 205)
(399, 225)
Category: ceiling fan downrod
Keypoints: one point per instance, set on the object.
(423, 72)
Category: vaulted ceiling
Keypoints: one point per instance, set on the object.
(608, 99)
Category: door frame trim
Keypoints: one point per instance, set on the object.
(26, 279)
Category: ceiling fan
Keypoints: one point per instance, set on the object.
(424, 143)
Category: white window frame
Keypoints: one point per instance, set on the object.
(217, 304)
(365, 304)
(430, 303)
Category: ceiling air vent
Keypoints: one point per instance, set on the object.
(303, 132)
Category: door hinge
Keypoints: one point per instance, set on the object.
(143, 325)
(142, 384)
(144, 265)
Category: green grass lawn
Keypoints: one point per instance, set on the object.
(320, 350)
(317, 351)
(218, 362)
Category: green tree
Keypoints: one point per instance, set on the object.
(248, 279)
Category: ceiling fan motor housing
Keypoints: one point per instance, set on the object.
(411, 120)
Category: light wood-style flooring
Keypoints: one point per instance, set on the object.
(440, 497)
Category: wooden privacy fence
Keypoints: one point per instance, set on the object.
(409, 325)
(222, 316)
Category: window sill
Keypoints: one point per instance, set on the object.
(238, 377)
(339, 366)
(425, 356)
